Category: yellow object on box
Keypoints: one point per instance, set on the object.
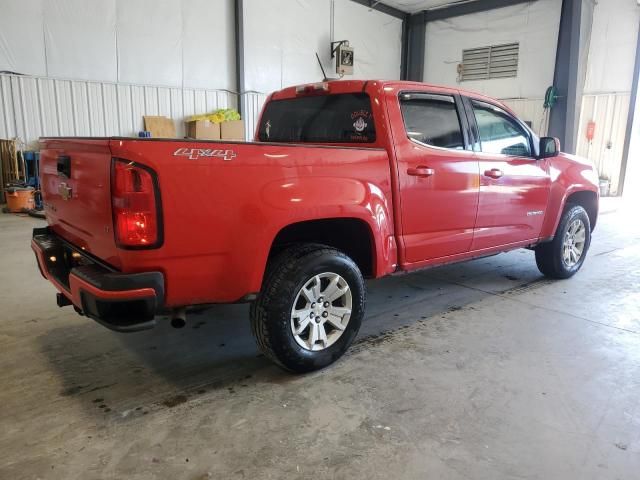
(222, 124)
(218, 116)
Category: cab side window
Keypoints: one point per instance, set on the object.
(499, 132)
(432, 120)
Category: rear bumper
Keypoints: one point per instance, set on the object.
(118, 301)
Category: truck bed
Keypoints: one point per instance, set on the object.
(221, 203)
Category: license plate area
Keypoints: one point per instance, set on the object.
(60, 258)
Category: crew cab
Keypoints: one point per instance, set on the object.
(344, 180)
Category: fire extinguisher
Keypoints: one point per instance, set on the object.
(591, 130)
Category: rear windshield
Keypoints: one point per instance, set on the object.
(340, 118)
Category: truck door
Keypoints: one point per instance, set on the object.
(514, 185)
(437, 173)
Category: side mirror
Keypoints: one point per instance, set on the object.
(549, 147)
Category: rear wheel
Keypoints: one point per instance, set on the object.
(565, 254)
(310, 307)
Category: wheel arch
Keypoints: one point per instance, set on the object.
(560, 198)
(352, 236)
(588, 200)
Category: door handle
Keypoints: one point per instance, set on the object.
(420, 171)
(493, 173)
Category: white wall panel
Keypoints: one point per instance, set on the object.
(252, 106)
(164, 101)
(208, 41)
(99, 65)
(47, 98)
(110, 108)
(150, 42)
(80, 111)
(632, 175)
(281, 39)
(175, 43)
(375, 36)
(80, 39)
(7, 116)
(26, 105)
(64, 105)
(609, 76)
(21, 39)
(38, 106)
(126, 121)
(533, 25)
(609, 112)
(613, 46)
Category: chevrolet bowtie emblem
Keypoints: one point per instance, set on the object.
(64, 190)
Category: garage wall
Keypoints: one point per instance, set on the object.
(632, 176)
(533, 25)
(95, 67)
(31, 107)
(613, 46)
(174, 43)
(281, 39)
(375, 36)
(608, 85)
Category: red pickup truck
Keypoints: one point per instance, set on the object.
(345, 180)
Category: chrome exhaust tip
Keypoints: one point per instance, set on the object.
(179, 317)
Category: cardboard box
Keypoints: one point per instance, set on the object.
(203, 130)
(160, 127)
(233, 130)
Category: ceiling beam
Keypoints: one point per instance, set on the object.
(382, 7)
(476, 6)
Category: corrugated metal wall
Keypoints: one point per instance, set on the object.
(609, 112)
(530, 109)
(32, 107)
(252, 103)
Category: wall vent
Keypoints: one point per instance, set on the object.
(496, 61)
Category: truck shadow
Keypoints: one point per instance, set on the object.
(123, 376)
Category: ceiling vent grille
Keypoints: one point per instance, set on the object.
(496, 61)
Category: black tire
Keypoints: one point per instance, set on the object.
(286, 274)
(549, 256)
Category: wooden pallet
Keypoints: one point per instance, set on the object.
(12, 166)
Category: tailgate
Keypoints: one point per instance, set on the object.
(76, 191)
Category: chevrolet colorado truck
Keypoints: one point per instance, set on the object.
(345, 180)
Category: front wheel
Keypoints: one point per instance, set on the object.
(565, 254)
(310, 307)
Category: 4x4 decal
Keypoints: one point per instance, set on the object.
(196, 153)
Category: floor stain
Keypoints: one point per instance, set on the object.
(175, 401)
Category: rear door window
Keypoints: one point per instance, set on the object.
(432, 120)
(339, 118)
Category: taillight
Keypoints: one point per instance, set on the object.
(136, 212)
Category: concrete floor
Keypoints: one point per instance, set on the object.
(482, 370)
